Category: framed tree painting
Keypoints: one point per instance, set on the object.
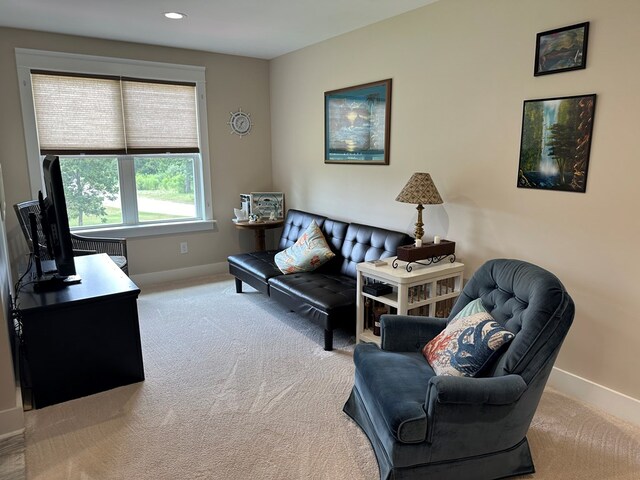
(562, 49)
(357, 124)
(555, 143)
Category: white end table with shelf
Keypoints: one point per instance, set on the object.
(433, 281)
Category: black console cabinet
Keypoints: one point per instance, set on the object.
(84, 338)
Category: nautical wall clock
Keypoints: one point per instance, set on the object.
(240, 122)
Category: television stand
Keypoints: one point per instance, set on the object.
(82, 339)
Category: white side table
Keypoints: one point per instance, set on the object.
(423, 286)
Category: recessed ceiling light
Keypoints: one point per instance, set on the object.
(175, 15)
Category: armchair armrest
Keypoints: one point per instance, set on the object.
(407, 333)
(503, 390)
(466, 406)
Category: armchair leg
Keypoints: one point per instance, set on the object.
(238, 285)
(328, 340)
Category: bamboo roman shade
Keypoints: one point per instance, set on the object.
(83, 114)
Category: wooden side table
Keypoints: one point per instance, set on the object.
(435, 283)
(259, 229)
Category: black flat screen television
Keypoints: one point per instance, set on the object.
(55, 225)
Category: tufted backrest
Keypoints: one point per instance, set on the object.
(363, 243)
(295, 223)
(351, 242)
(334, 232)
(528, 301)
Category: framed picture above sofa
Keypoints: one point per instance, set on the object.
(357, 124)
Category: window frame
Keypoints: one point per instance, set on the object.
(27, 60)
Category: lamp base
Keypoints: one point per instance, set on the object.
(419, 231)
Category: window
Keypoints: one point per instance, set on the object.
(165, 189)
(132, 145)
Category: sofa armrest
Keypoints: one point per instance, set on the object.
(503, 390)
(408, 333)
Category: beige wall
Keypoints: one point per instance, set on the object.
(461, 70)
(238, 165)
(11, 417)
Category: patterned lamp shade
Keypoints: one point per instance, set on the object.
(420, 189)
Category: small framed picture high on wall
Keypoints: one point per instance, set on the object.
(562, 49)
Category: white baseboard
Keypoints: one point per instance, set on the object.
(144, 279)
(4, 436)
(12, 419)
(614, 403)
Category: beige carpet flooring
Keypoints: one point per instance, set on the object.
(239, 388)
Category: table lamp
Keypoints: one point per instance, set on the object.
(420, 190)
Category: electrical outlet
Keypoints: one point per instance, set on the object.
(184, 248)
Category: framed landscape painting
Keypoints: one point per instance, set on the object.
(562, 49)
(357, 124)
(556, 142)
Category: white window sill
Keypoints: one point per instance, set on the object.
(149, 230)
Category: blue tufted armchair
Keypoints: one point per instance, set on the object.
(424, 426)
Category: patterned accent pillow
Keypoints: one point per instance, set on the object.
(466, 346)
(308, 253)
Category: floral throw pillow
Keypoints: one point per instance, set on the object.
(308, 253)
(466, 346)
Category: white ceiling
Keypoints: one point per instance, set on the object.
(254, 28)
